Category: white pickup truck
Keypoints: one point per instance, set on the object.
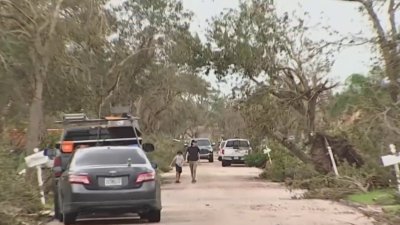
(234, 151)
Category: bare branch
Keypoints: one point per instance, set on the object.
(396, 7)
(54, 20)
(14, 5)
(368, 5)
(4, 62)
(392, 19)
(19, 23)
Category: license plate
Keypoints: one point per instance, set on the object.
(115, 181)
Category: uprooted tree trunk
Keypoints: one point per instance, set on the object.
(341, 149)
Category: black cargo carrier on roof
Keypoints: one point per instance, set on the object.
(111, 131)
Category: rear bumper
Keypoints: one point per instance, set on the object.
(234, 159)
(206, 156)
(143, 199)
(128, 206)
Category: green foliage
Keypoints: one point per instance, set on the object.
(285, 166)
(336, 193)
(50, 140)
(165, 151)
(257, 159)
(361, 92)
(17, 195)
(388, 199)
(380, 197)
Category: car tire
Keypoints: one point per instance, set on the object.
(69, 218)
(219, 158)
(57, 214)
(225, 163)
(153, 216)
(211, 158)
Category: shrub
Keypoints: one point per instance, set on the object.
(165, 150)
(257, 159)
(285, 166)
(17, 196)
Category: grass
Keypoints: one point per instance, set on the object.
(378, 197)
(386, 198)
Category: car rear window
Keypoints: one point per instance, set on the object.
(99, 133)
(107, 156)
(237, 143)
(203, 142)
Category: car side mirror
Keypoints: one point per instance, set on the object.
(154, 165)
(148, 147)
(51, 153)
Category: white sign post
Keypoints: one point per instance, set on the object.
(393, 160)
(268, 151)
(36, 160)
(332, 158)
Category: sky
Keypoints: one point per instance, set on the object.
(343, 17)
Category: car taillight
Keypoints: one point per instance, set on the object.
(146, 177)
(223, 151)
(57, 166)
(79, 179)
(67, 146)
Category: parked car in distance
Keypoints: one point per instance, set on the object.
(112, 179)
(206, 148)
(234, 151)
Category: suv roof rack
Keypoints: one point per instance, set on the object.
(74, 116)
(82, 119)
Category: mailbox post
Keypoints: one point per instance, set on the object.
(37, 159)
(267, 151)
(393, 160)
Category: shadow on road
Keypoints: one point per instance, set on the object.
(110, 221)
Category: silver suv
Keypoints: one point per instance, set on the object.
(206, 148)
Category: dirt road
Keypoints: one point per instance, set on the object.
(234, 196)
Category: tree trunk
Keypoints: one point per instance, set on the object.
(35, 116)
(296, 151)
(311, 111)
(3, 116)
(392, 70)
(388, 47)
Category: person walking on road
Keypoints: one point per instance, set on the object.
(192, 157)
(179, 160)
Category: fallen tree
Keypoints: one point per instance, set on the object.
(341, 149)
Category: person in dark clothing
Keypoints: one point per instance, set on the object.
(192, 157)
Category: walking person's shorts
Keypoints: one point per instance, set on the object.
(178, 169)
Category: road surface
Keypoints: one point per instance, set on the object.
(234, 196)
